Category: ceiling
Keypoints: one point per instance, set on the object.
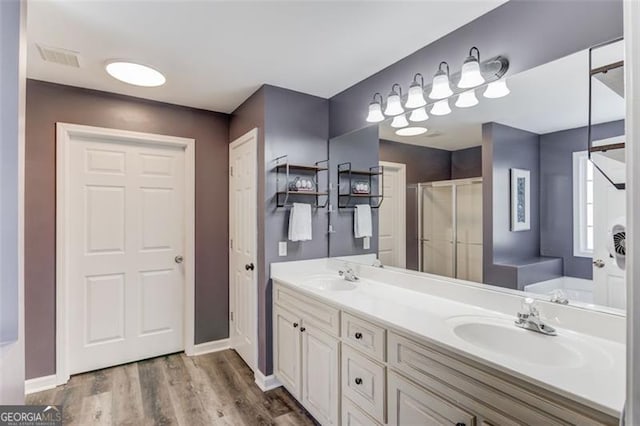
(545, 99)
(217, 53)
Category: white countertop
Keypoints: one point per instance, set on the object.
(598, 381)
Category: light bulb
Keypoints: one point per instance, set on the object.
(497, 89)
(440, 87)
(471, 76)
(411, 131)
(418, 115)
(415, 98)
(394, 105)
(399, 121)
(441, 107)
(467, 99)
(375, 113)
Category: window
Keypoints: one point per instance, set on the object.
(582, 205)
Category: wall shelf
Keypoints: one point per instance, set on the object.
(286, 172)
(348, 176)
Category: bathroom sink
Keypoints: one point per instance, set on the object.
(329, 282)
(502, 337)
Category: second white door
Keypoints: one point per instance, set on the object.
(392, 235)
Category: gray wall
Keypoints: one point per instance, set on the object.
(361, 149)
(529, 33)
(556, 187)
(466, 163)
(12, 80)
(49, 103)
(294, 124)
(423, 165)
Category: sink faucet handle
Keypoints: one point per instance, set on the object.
(529, 306)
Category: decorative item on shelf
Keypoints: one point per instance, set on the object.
(473, 75)
(361, 187)
(301, 184)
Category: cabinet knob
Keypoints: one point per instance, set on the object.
(460, 424)
(358, 335)
(358, 381)
(302, 329)
(295, 324)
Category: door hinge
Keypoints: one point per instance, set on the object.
(231, 243)
(231, 171)
(231, 315)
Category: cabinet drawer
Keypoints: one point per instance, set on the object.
(354, 416)
(413, 405)
(363, 335)
(363, 381)
(312, 311)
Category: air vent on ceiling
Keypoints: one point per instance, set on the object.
(59, 56)
(434, 134)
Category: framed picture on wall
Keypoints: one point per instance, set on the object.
(520, 200)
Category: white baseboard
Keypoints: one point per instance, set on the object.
(39, 384)
(208, 347)
(266, 383)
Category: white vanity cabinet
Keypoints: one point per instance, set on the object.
(346, 368)
(307, 353)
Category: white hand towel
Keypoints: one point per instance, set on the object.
(300, 222)
(362, 221)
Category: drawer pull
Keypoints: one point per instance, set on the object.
(358, 335)
(302, 329)
(460, 424)
(295, 324)
(358, 381)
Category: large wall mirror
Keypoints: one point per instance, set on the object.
(503, 189)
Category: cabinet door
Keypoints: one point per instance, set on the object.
(287, 355)
(410, 404)
(320, 373)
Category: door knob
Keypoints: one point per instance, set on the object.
(179, 259)
(598, 263)
(249, 267)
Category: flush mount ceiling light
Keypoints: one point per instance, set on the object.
(411, 131)
(136, 74)
(471, 76)
(375, 110)
(418, 115)
(440, 87)
(415, 98)
(441, 107)
(399, 121)
(467, 99)
(394, 104)
(497, 89)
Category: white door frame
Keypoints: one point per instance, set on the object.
(401, 242)
(64, 133)
(249, 137)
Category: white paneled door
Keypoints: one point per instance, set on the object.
(125, 221)
(392, 234)
(243, 232)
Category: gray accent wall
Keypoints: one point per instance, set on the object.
(556, 189)
(48, 103)
(466, 163)
(529, 33)
(361, 149)
(294, 124)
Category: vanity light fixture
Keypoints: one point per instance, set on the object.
(394, 101)
(440, 87)
(135, 74)
(415, 98)
(497, 89)
(467, 99)
(375, 110)
(399, 121)
(471, 76)
(418, 115)
(441, 107)
(411, 131)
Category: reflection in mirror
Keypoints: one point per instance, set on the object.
(501, 190)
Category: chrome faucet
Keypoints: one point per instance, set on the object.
(530, 319)
(348, 274)
(559, 296)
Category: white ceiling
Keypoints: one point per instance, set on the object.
(215, 54)
(545, 99)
